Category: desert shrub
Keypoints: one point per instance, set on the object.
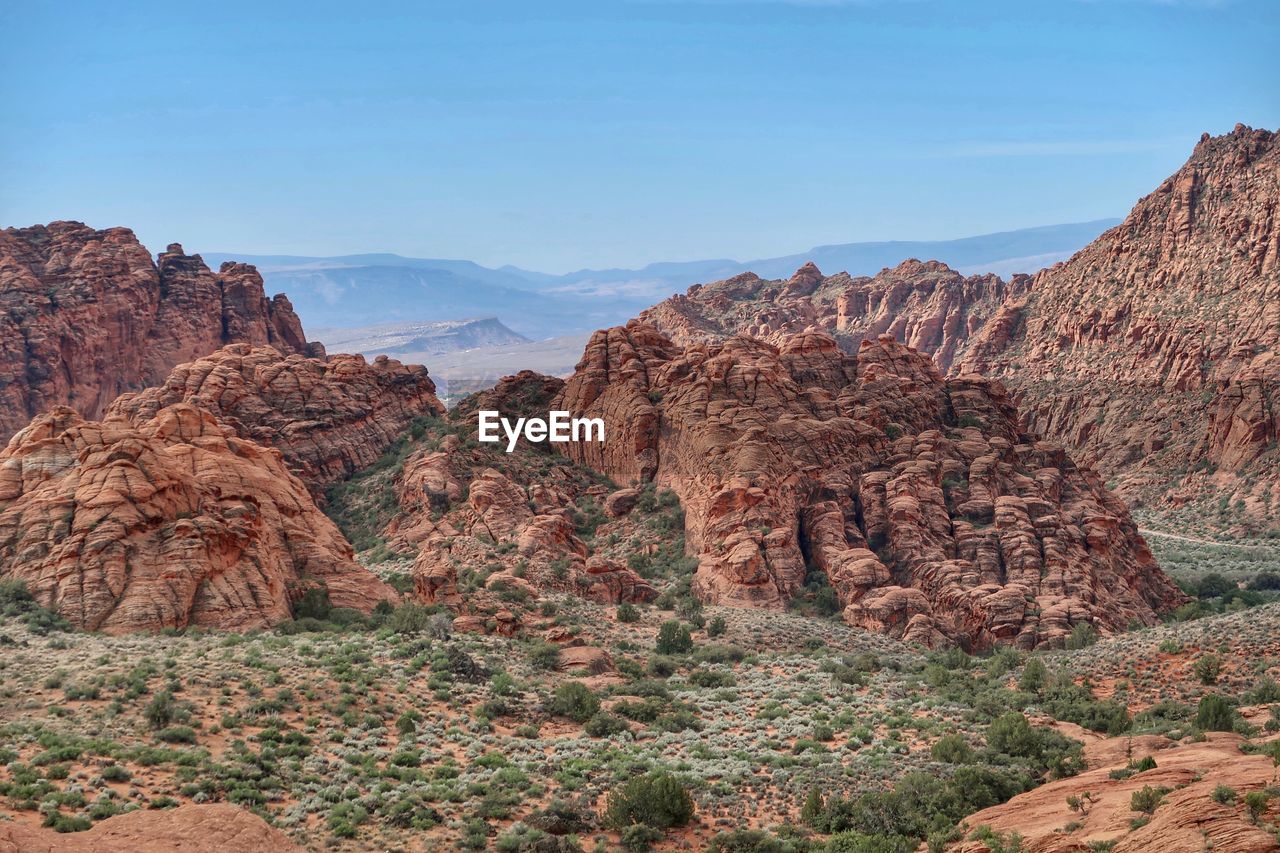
(717, 627)
(161, 710)
(1224, 795)
(544, 655)
(410, 618)
(1215, 714)
(953, 749)
(1256, 802)
(751, 841)
(857, 842)
(656, 799)
(673, 639)
(1082, 636)
(1207, 668)
(1034, 676)
(639, 837)
(313, 604)
(1213, 585)
(604, 724)
(1147, 799)
(574, 700)
(628, 612)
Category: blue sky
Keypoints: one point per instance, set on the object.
(562, 135)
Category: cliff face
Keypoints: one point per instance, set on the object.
(1154, 352)
(86, 315)
(329, 417)
(168, 522)
(927, 305)
(1156, 349)
(932, 515)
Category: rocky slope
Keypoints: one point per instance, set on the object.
(329, 417)
(933, 517)
(1153, 351)
(927, 305)
(1157, 347)
(168, 522)
(86, 315)
(215, 828)
(528, 517)
(1188, 818)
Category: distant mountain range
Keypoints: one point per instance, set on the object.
(353, 291)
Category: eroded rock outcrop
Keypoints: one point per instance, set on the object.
(1188, 818)
(925, 304)
(1152, 352)
(933, 516)
(170, 522)
(214, 828)
(86, 315)
(329, 417)
(520, 516)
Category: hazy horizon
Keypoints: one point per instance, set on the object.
(590, 135)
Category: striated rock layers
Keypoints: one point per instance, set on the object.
(1156, 349)
(86, 315)
(329, 417)
(927, 305)
(165, 523)
(932, 515)
(1154, 352)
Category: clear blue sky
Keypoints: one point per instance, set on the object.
(561, 135)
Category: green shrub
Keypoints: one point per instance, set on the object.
(604, 724)
(1215, 714)
(655, 799)
(1147, 799)
(628, 612)
(639, 837)
(1207, 668)
(673, 639)
(574, 700)
(953, 749)
(1224, 795)
(1034, 676)
(717, 627)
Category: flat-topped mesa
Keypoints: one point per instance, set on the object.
(86, 315)
(933, 516)
(926, 304)
(329, 417)
(166, 523)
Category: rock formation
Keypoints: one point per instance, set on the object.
(932, 515)
(214, 828)
(86, 315)
(927, 305)
(165, 523)
(1189, 818)
(1152, 352)
(329, 417)
(467, 506)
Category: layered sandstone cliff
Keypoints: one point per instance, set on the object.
(1154, 352)
(933, 516)
(329, 417)
(86, 315)
(170, 522)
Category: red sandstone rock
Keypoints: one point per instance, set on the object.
(933, 516)
(166, 523)
(329, 417)
(86, 315)
(215, 828)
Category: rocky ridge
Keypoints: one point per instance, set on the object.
(329, 417)
(165, 523)
(1152, 353)
(928, 510)
(86, 315)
